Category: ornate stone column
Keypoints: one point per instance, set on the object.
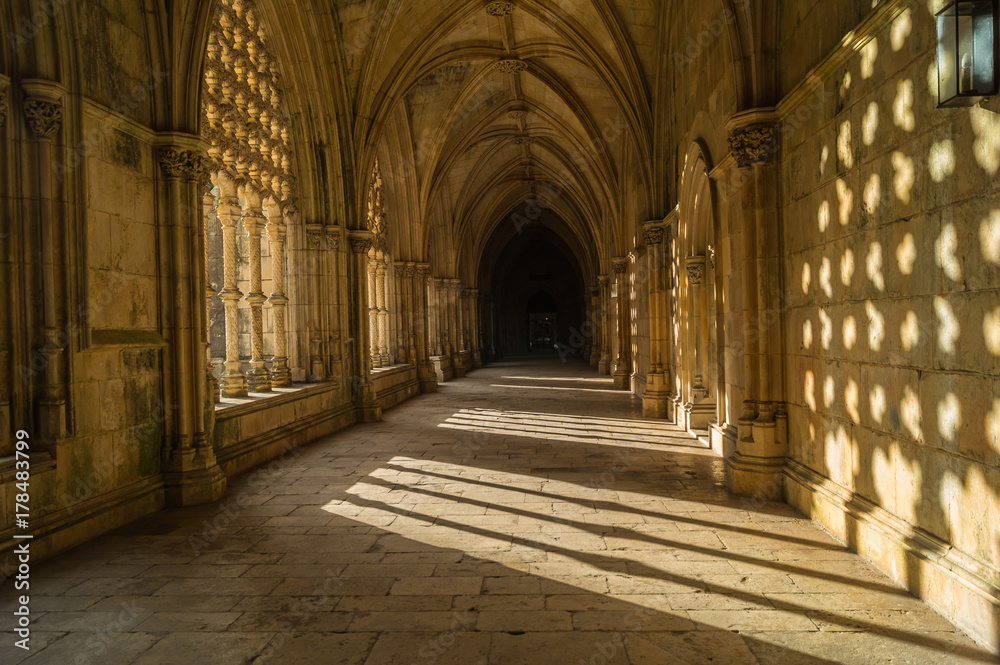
(424, 330)
(383, 313)
(258, 378)
(363, 390)
(607, 325)
(281, 375)
(209, 203)
(623, 362)
(372, 269)
(234, 382)
(655, 401)
(762, 446)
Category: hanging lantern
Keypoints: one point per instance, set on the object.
(967, 52)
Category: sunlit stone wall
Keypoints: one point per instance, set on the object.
(891, 229)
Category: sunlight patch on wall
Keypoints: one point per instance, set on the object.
(904, 178)
(869, 54)
(807, 334)
(876, 327)
(884, 474)
(873, 193)
(906, 254)
(993, 426)
(847, 267)
(903, 106)
(948, 326)
(850, 332)
(989, 237)
(991, 331)
(845, 198)
(986, 148)
(806, 278)
(825, 330)
(829, 391)
(852, 400)
(823, 218)
(869, 124)
(949, 413)
(909, 331)
(809, 389)
(946, 251)
(901, 29)
(826, 277)
(844, 145)
(878, 402)
(874, 266)
(824, 158)
(909, 412)
(941, 161)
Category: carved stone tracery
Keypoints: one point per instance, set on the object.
(753, 144)
(511, 66)
(499, 8)
(44, 117)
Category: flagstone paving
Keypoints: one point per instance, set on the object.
(526, 514)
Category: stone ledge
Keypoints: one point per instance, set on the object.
(277, 397)
(953, 583)
(40, 462)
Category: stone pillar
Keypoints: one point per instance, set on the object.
(191, 473)
(362, 388)
(399, 314)
(333, 289)
(657, 396)
(595, 326)
(43, 111)
(373, 351)
(383, 313)
(757, 465)
(699, 414)
(314, 287)
(475, 306)
(455, 299)
(209, 203)
(607, 325)
(281, 375)
(234, 381)
(423, 331)
(258, 378)
(623, 362)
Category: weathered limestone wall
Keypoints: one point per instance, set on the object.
(891, 232)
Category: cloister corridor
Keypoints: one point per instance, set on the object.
(526, 514)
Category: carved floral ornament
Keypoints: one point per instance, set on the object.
(753, 144)
(619, 266)
(44, 117)
(696, 269)
(499, 8)
(517, 114)
(361, 244)
(3, 102)
(653, 235)
(511, 66)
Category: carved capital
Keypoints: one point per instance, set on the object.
(499, 8)
(44, 117)
(173, 162)
(511, 66)
(314, 239)
(399, 270)
(711, 257)
(653, 235)
(361, 242)
(619, 266)
(753, 144)
(517, 114)
(3, 102)
(423, 270)
(411, 270)
(696, 269)
(197, 168)
(333, 238)
(603, 280)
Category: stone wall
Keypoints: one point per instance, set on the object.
(892, 261)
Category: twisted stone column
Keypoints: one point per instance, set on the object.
(234, 381)
(209, 203)
(383, 313)
(376, 357)
(281, 375)
(258, 377)
(363, 391)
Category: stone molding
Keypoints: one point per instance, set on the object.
(361, 241)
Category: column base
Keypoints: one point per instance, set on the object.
(477, 360)
(758, 477)
(428, 379)
(623, 380)
(234, 384)
(280, 375)
(698, 415)
(655, 400)
(259, 380)
(603, 367)
(194, 480)
(457, 366)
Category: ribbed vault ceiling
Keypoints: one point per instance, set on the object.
(477, 110)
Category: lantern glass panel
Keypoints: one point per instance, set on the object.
(966, 52)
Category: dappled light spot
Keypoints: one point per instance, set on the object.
(986, 148)
(909, 331)
(850, 332)
(809, 389)
(869, 54)
(909, 412)
(884, 472)
(806, 278)
(906, 254)
(869, 124)
(946, 251)
(901, 29)
(837, 454)
(874, 266)
(852, 400)
(845, 198)
(903, 180)
(949, 415)
(823, 218)
(824, 158)
(951, 497)
(847, 267)
(991, 331)
(873, 193)
(826, 330)
(829, 391)
(941, 161)
(844, 141)
(876, 327)
(807, 334)
(993, 426)
(989, 237)
(903, 107)
(948, 326)
(878, 403)
(826, 277)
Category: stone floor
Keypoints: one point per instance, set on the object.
(526, 514)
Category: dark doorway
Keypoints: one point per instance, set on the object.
(543, 321)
